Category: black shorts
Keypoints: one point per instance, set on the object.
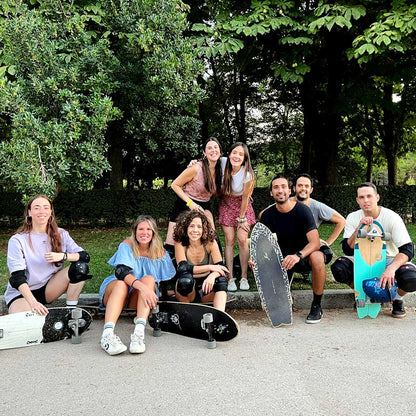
(180, 206)
(39, 294)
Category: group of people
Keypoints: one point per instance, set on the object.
(38, 251)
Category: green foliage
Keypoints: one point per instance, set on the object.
(56, 93)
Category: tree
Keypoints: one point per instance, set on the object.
(54, 88)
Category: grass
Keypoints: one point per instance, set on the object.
(101, 244)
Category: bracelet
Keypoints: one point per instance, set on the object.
(241, 219)
(133, 282)
(188, 204)
(65, 257)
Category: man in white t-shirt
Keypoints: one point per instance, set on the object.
(400, 249)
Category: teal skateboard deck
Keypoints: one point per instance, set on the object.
(369, 262)
(271, 279)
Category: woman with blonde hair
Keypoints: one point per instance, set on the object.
(140, 264)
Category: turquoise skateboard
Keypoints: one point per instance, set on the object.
(369, 262)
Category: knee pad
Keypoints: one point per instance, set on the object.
(343, 270)
(328, 253)
(221, 284)
(78, 272)
(406, 277)
(185, 284)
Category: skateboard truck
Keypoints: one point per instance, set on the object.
(75, 323)
(372, 233)
(207, 323)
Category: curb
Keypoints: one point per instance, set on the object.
(302, 299)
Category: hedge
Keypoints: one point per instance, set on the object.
(118, 208)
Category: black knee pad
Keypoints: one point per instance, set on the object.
(185, 284)
(406, 277)
(328, 253)
(343, 270)
(221, 284)
(78, 272)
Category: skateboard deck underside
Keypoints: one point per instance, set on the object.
(369, 262)
(185, 319)
(24, 329)
(271, 278)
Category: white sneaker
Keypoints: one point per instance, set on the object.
(232, 287)
(137, 345)
(244, 284)
(112, 344)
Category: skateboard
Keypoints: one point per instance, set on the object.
(96, 310)
(24, 329)
(271, 279)
(193, 320)
(369, 263)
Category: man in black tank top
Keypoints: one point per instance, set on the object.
(298, 239)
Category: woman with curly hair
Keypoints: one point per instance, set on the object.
(140, 263)
(201, 271)
(35, 257)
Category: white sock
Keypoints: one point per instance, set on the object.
(140, 326)
(71, 303)
(398, 297)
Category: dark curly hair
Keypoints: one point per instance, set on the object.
(180, 233)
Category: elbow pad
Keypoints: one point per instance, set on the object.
(407, 249)
(84, 256)
(184, 267)
(122, 271)
(348, 251)
(17, 278)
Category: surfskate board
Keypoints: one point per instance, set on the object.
(193, 320)
(271, 279)
(25, 329)
(369, 262)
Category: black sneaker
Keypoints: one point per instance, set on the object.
(315, 315)
(398, 309)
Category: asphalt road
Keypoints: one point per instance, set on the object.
(342, 366)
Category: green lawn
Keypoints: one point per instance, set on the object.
(102, 243)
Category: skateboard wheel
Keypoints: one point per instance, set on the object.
(76, 313)
(76, 339)
(208, 318)
(362, 233)
(155, 310)
(360, 303)
(386, 236)
(212, 344)
(157, 332)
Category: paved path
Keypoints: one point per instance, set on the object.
(342, 366)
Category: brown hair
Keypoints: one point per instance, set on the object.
(180, 233)
(213, 186)
(52, 232)
(227, 183)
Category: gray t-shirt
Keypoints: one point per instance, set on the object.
(320, 211)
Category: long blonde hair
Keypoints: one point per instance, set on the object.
(156, 249)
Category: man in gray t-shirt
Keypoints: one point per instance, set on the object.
(303, 188)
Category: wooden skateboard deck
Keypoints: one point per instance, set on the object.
(188, 319)
(24, 329)
(369, 262)
(271, 279)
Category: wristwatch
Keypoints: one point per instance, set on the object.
(299, 254)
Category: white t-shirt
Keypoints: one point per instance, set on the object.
(391, 223)
(238, 180)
